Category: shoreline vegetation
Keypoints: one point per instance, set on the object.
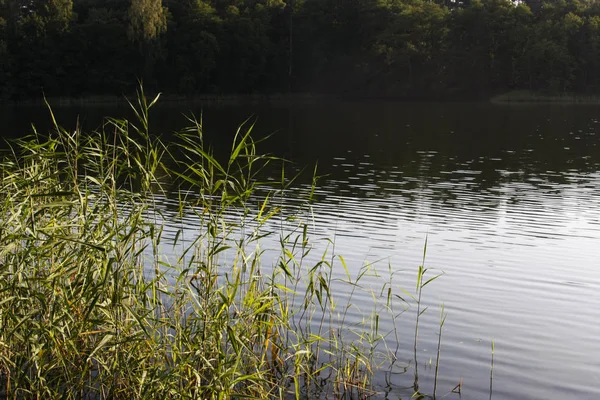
(107, 295)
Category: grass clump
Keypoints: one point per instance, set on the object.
(104, 294)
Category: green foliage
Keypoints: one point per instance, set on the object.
(193, 46)
(405, 48)
(147, 19)
(410, 44)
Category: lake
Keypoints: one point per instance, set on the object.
(507, 197)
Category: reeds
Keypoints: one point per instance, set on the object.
(103, 294)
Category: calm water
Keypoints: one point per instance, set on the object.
(508, 198)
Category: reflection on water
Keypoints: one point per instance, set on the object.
(507, 197)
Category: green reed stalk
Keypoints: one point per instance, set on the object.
(421, 283)
(492, 369)
(443, 316)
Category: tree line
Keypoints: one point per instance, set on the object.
(370, 48)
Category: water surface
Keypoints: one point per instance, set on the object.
(507, 197)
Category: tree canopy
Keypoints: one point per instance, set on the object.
(399, 48)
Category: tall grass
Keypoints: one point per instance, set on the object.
(104, 295)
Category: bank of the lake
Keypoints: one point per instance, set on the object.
(174, 99)
(531, 97)
(300, 99)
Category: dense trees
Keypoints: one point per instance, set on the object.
(404, 48)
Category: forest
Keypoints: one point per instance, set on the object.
(409, 49)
